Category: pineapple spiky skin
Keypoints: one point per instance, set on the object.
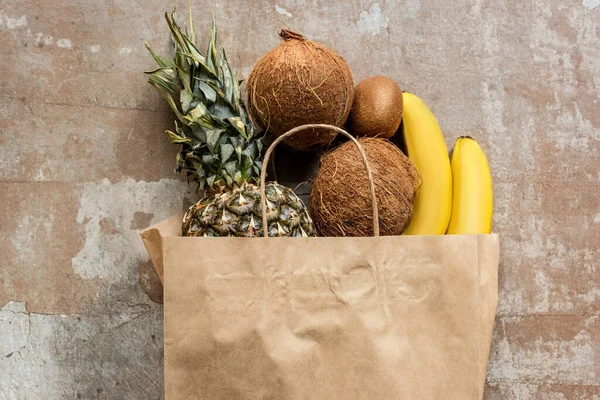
(219, 148)
(237, 212)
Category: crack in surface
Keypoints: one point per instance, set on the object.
(27, 336)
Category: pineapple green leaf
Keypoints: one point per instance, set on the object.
(205, 90)
(200, 172)
(199, 169)
(221, 109)
(250, 151)
(212, 127)
(175, 138)
(238, 177)
(186, 98)
(226, 152)
(214, 86)
(210, 181)
(188, 45)
(183, 131)
(192, 35)
(201, 116)
(192, 50)
(194, 164)
(211, 52)
(159, 60)
(222, 139)
(175, 34)
(236, 96)
(212, 137)
(161, 83)
(230, 167)
(198, 133)
(201, 184)
(238, 152)
(227, 78)
(165, 77)
(208, 159)
(171, 102)
(201, 63)
(238, 125)
(184, 77)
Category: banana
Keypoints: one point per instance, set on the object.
(472, 201)
(426, 148)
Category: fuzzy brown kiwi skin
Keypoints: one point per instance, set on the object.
(300, 82)
(377, 108)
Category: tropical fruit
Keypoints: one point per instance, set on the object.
(219, 149)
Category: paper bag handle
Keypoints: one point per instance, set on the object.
(263, 172)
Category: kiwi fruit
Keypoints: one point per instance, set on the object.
(376, 109)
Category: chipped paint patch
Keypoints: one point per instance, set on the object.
(412, 8)
(64, 43)
(549, 351)
(94, 48)
(543, 286)
(23, 240)
(141, 220)
(282, 11)
(591, 296)
(14, 329)
(125, 51)
(591, 4)
(371, 22)
(41, 355)
(12, 22)
(43, 40)
(112, 251)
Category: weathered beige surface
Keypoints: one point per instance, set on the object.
(84, 165)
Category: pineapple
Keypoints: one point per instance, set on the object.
(219, 148)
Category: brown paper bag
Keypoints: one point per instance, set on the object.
(398, 317)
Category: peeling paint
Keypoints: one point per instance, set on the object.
(125, 51)
(95, 48)
(64, 43)
(13, 22)
(115, 257)
(14, 329)
(371, 22)
(41, 39)
(412, 8)
(41, 355)
(22, 239)
(591, 4)
(543, 357)
(282, 11)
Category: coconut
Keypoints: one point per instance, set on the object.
(300, 82)
(340, 200)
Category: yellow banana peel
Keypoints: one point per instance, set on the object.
(426, 148)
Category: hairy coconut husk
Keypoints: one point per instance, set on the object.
(300, 82)
(340, 202)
